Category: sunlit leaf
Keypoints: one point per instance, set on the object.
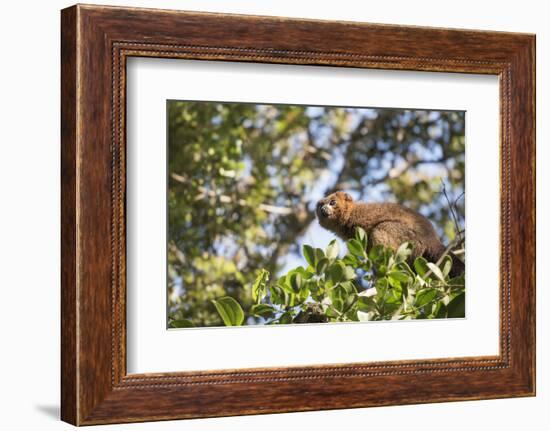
(319, 254)
(436, 271)
(230, 311)
(304, 273)
(421, 266)
(356, 248)
(446, 265)
(361, 236)
(278, 295)
(362, 316)
(322, 265)
(296, 281)
(349, 273)
(403, 252)
(333, 250)
(309, 254)
(259, 287)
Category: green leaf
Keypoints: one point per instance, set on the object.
(366, 265)
(377, 253)
(403, 252)
(350, 301)
(306, 275)
(361, 236)
(457, 306)
(436, 271)
(446, 265)
(366, 303)
(396, 294)
(389, 309)
(285, 319)
(425, 296)
(440, 311)
(356, 248)
(319, 254)
(304, 293)
(420, 281)
(349, 273)
(393, 282)
(278, 295)
(181, 323)
(457, 281)
(331, 312)
(350, 259)
(309, 254)
(336, 272)
(259, 287)
(421, 266)
(313, 286)
(404, 267)
(262, 310)
(229, 310)
(296, 281)
(322, 265)
(399, 276)
(338, 297)
(363, 316)
(381, 285)
(333, 250)
(286, 286)
(349, 287)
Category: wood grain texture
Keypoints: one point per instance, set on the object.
(69, 330)
(96, 41)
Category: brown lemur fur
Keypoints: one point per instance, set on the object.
(387, 224)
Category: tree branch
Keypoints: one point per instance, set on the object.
(226, 199)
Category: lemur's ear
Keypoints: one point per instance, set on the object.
(347, 197)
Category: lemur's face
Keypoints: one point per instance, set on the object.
(332, 207)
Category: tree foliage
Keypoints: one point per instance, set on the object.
(244, 179)
(382, 284)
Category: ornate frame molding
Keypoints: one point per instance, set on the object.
(96, 41)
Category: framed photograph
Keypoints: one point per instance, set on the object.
(264, 215)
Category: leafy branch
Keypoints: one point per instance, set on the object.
(382, 284)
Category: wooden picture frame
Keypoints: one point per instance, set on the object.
(95, 43)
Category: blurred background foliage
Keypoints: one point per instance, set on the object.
(244, 179)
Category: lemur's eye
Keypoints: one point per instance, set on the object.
(332, 203)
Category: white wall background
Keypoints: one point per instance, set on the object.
(29, 214)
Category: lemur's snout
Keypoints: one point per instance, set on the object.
(321, 209)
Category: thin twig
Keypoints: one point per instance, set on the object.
(453, 244)
(452, 209)
(203, 192)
